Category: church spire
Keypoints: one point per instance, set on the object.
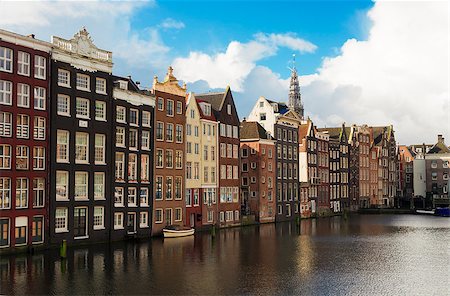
(295, 99)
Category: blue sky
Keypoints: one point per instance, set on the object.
(361, 62)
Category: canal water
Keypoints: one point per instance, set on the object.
(363, 255)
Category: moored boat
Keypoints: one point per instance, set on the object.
(177, 231)
(443, 212)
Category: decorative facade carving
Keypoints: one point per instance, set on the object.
(170, 84)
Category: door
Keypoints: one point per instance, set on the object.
(80, 223)
(131, 223)
(168, 216)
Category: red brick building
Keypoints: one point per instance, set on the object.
(24, 143)
(257, 172)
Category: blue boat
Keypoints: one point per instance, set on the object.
(443, 212)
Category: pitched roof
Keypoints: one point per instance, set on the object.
(216, 99)
(439, 148)
(202, 115)
(333, 132)
(253, 130)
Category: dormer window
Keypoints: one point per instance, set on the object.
(123, 85)
(207, 110)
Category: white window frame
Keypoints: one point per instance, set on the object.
(5, 156)
(100, 110)
(81, 147)
(22, 185)
(5, 124)
(22, 153)
(83, 82)
(40, 67)
(143, 219)
(23, 126)
(23, 95)
(64, 185)
(62, 145)
(82, 111)
(99, 157)
(118, 197)
(61, 213)
(39, 128)
(120, 137)
(136, 111)
(81, 187)
(99, 187)
(38, 158)
(6, 61)
(38, 192)
(6, 92)
(118, 220)
(132, 197)
(100, 85)
(63, 78)
(39, 98)
(63, 101)
(146, 118)
(121, 114)
(99, 218)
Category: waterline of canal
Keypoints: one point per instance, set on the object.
(361, 255)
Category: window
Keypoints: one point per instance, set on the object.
(196, 171)
(81, 148)
(82, 108)
(23, 95)
(160, 104)
(229, 109)
(159, 158)
(62, 146)
(229, 131)
(120, 137)
(100, 85)
(63, 105)
(145, 138)
(80, 222)
(4, 232)
(178, 216)
(169, 158)
(5, 124)
(143, 219)
(100, 148)
(169, 132)
(61, 220)
(188, 170)
(5, 156)
(159, 185)
(5, 193)
(6, 59)
(187, 197)
(23, 126)
(121, 114)
(178, 187)
(22, 157)
(196, 148)
(62, 185)
(133, 139)
(235, 132)
(39, 128)
(38, 158)
(39, 67)
(118, 220)
(100, 110)
(143, 197)
(179, 159)
(83, 82)
(81, 185)
(134, 117)
(120, 166)
(158, 216)
(262, 116)
(179, 133)
(179, 108)
(146, 118)
(37, 229)
(132, 196)
(159, 131)
(132, 167)
(63, 78)
(235, 151)
(145, 168)
(169, 108)
(99, 214)
(169, 186)
(21, 193)
(39, 98)
(5, 92)
(118, 197)
(99, 186)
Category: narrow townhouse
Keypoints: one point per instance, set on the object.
(169, 165)
(24, 141)
(133, 113)
(257, 172)
(308, 164)
(323, 197)
(225, 112)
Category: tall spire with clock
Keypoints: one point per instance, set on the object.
(295, 99)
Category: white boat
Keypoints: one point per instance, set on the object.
(177, 231)
(425, 212)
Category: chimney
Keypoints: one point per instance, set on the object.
(138, 83)
(31, 36)
(440, 139)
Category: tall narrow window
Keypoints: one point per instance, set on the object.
(134, 117)
(158, 190)
(159, 131)
(100, 85)
(5, 156)
(143, 197)
(23, 126)
(146, 117)
(99, 185)
(22, 154)
(120, 114)
(169, 158)
(38, 192)
(63, 105)
(81, 148)
(120, 166)
(39, 98)
(179, 159)
(81, 185)
(132, 196)
(82, 108)
(178, 188)
(23, 63)
(21, 193)
(23, 95)
(179, 133)
(145, 137)
(62, 146)
(169, 108)
(99, 214)
(38, 158)
(40, 67)
(37, 229)
(5, 124)
(145, 168)
(120, 137)
(63, 78)
(39, 128)
(5, 193)
(159, 158)
(118, 197)
(169, 132)
(100, 149)
(133, 139)
(6, 59)
(61, 220)
(5, 92)
(83, 82)
(132, 167)
(100, 110)
(169, 186)
(62, 185)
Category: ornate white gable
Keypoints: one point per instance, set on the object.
(81, 52)
(169, 85)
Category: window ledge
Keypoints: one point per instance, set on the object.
(99, 228)
(81, 237)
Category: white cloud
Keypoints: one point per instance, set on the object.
(232, 66)
(170, 23)
(398, 76)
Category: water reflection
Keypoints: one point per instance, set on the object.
(361, 255)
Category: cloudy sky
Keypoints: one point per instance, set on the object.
(379, 63)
